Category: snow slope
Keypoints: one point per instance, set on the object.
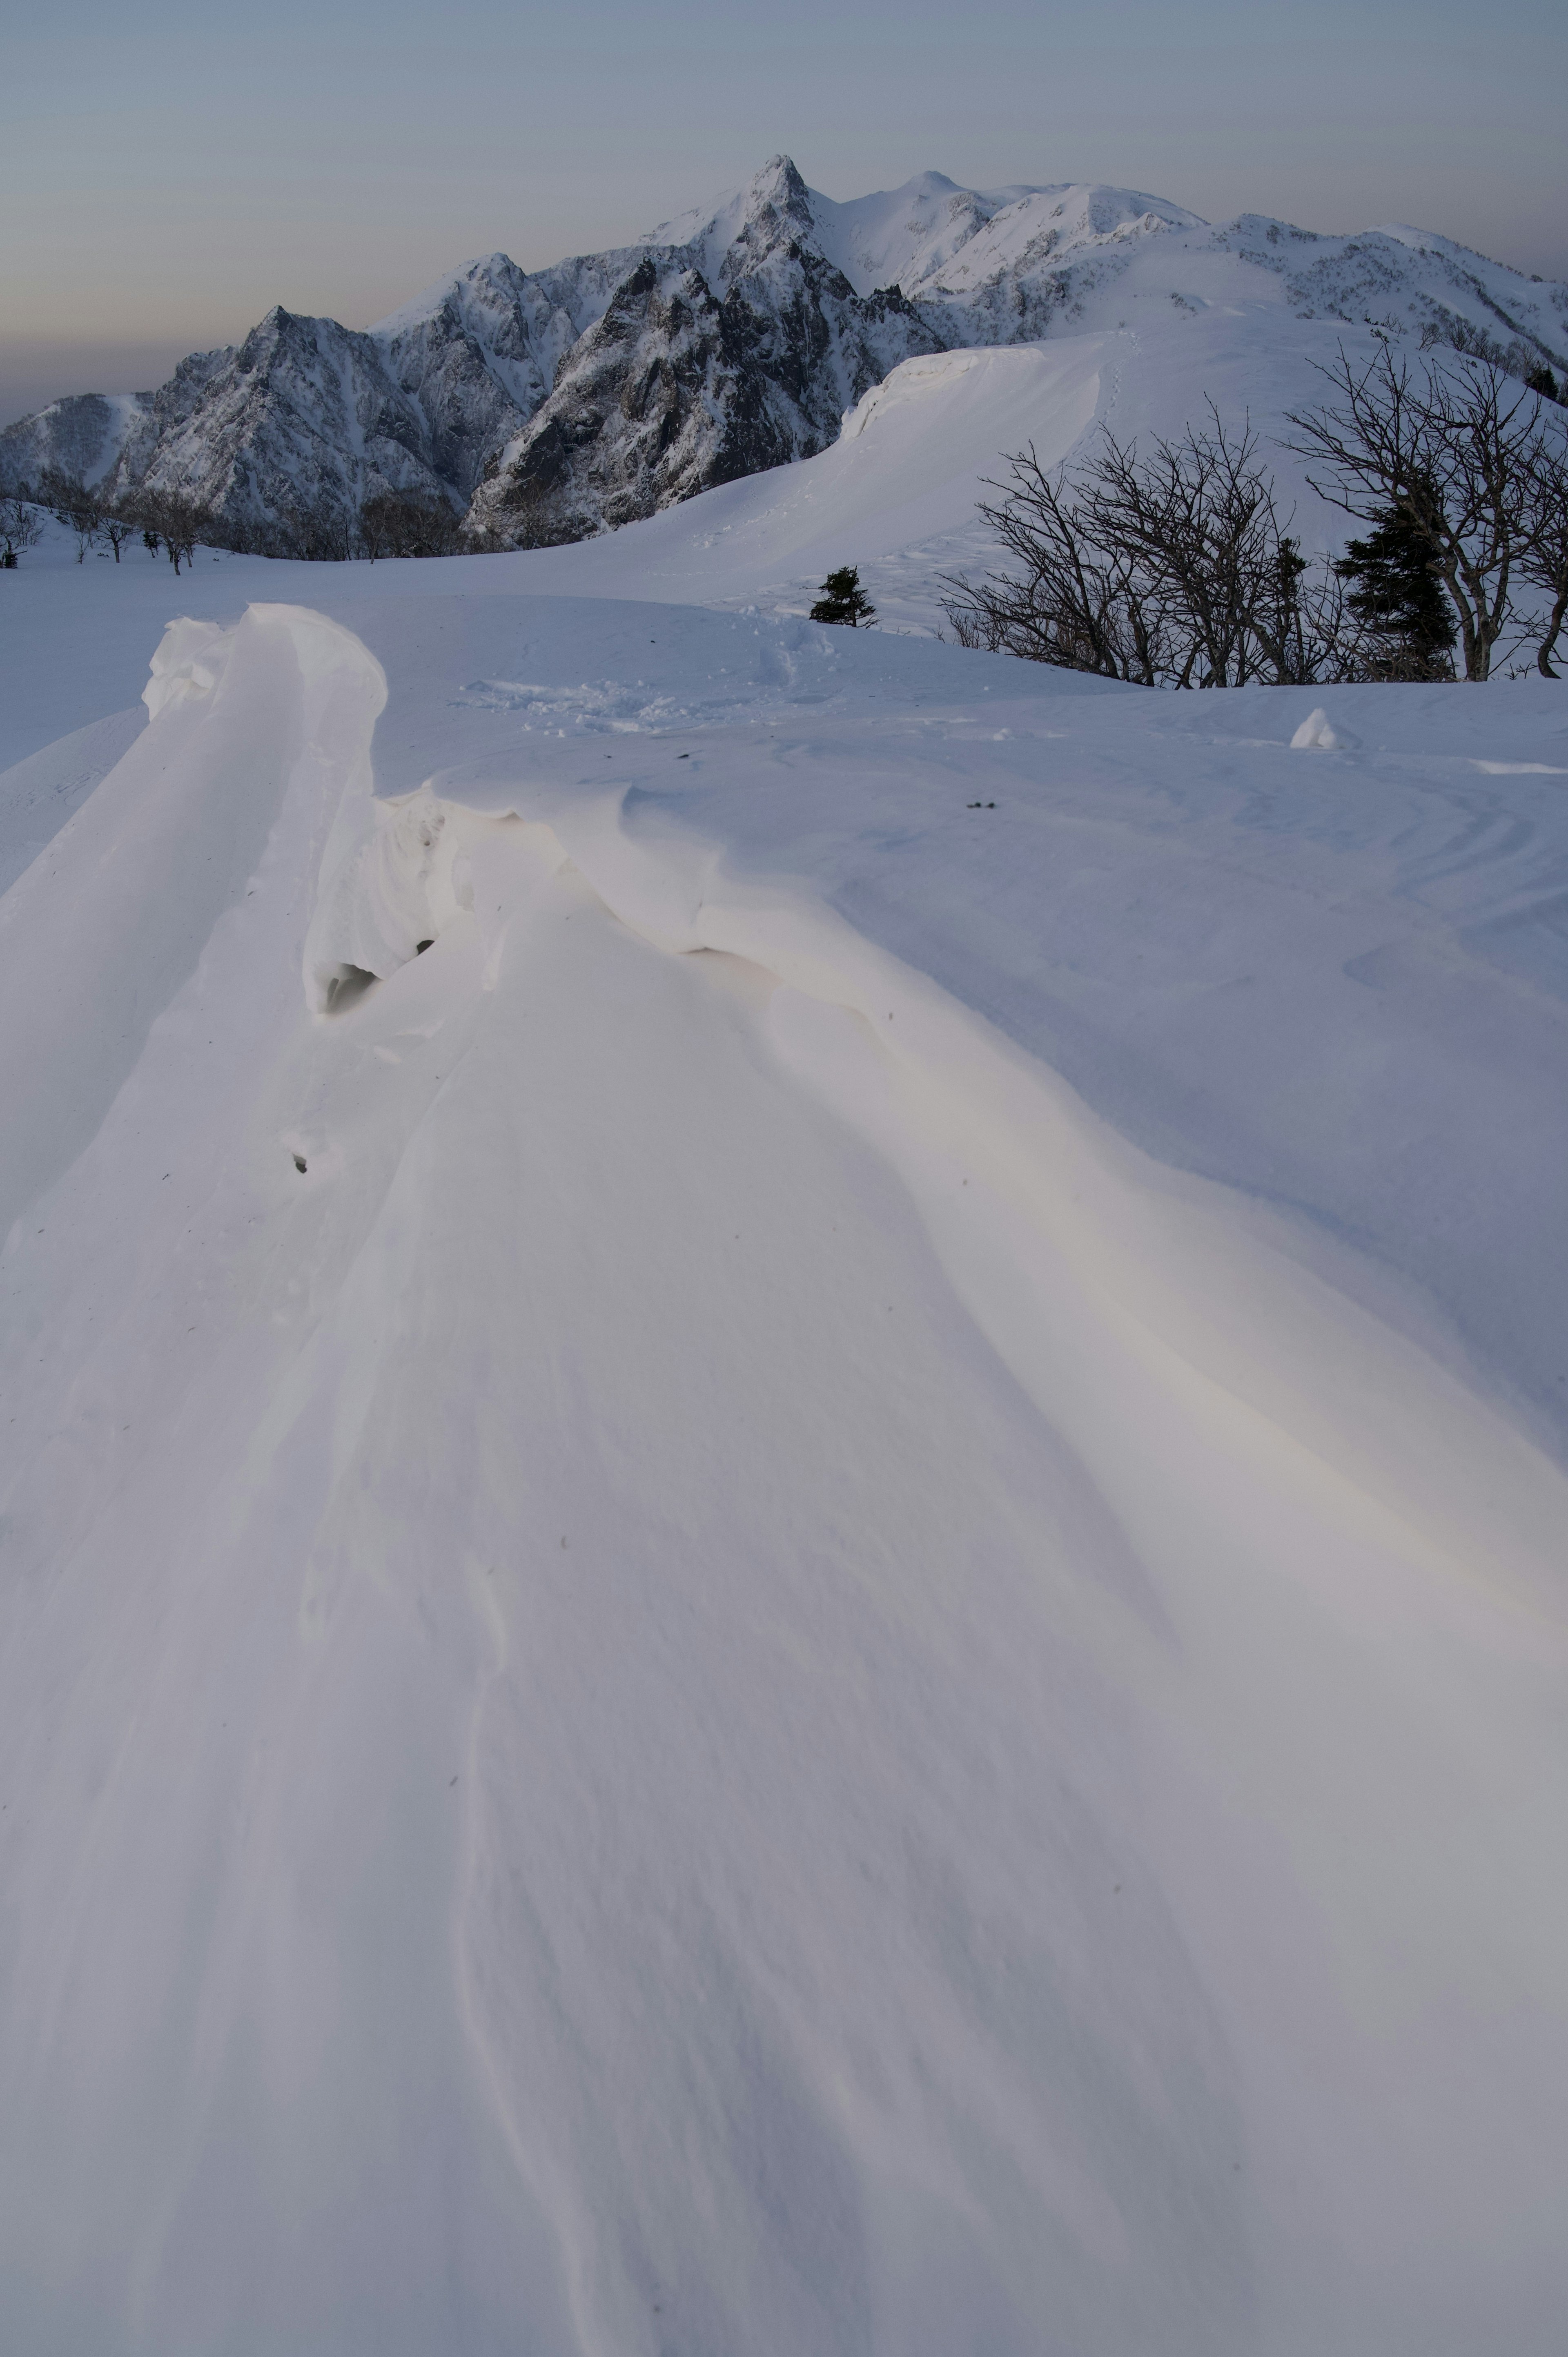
(809, 1595)
(559, 403)
(753, 323)
(894, 495)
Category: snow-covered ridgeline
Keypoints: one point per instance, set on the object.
(550, 404)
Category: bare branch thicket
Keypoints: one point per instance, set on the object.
(279, 536)
(393, 524)
(1525, 357)
(21, 526)
(163, 517)
(1176, 570)
(390, 523)
(408, 523)
(1201, 522)
(70, 504)
(1448, 452)
(169, 518)
(1543, 559)
(320, 535)
(1070, 601)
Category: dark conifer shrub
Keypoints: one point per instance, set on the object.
(1396, 596)
(842, 600)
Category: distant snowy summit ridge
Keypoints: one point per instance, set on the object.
(930, 239)
(547, 405)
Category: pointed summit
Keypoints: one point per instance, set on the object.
(770, 209)
(735, 336)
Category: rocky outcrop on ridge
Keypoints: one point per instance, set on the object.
(283, 439)
(546, 405)
(681, 384)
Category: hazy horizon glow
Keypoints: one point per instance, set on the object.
(167, 179)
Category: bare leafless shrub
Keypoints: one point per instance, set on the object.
(21, 526)
(1449, 451)
(72, 504)
(407, 523)
(1173, 567)
(170, 518)
(1543, 559)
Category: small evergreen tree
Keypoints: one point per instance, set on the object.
(842, 600)
(1397, 597)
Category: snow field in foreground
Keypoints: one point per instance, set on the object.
(736, 1678)
(895, 496)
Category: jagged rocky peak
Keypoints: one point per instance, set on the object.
(737, 344)
(555, 402)
(740, 230)
(753, 323)
(286, 435)
(637, 418)
(79, 435)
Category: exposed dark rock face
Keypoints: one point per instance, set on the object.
(478, 354)
(678, 387)
(284, 439)
(549, 404)
(630, 423)
(284, 436)
(79, 436)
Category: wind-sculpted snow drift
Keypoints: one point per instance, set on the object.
(689, 1664)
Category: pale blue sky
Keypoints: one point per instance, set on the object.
(168, 172)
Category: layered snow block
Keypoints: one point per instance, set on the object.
(1314, 735)
(116, 917)
(394, 877)
(187, 665)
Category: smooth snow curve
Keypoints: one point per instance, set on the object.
(689, 1665)
(894, 495)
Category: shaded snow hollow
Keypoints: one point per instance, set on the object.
(784, 1478)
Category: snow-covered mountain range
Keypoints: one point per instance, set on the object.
(547, 405)
(784, 1450)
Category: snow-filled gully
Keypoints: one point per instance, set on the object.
(738, 1667)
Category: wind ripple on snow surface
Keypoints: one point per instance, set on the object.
(691, 1665)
